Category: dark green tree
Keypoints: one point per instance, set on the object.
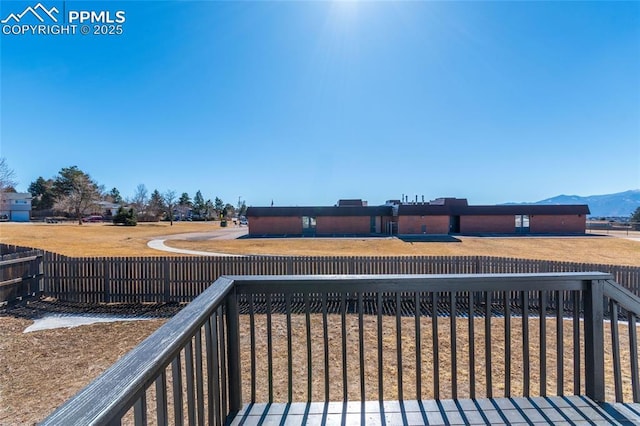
(42, 192)
(156, 207)
(184, 205)
(218, 205)
(198, 205)
(114, 196)
(125, 217)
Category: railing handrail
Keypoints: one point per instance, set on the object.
(622, 296)
(115, 390)
(427, 282)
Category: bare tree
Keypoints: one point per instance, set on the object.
(169, 198)
(140, 200)
(7, 176)
(76, 192)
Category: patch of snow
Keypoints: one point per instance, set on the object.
(52, 321)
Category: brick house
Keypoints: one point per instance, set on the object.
(440, 216)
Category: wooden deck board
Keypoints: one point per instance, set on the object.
(570, 410)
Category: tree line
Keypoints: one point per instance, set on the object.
(74, 193)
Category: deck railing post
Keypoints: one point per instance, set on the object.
(594, 340)
(233, 352)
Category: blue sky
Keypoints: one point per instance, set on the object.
(304, 103)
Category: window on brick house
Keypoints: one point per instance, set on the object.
(308, 222)
(522, 223)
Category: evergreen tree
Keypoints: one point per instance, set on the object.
(184, 205)
(156, 206)
(42, 192)
(125, 217)
(198, 205)
(114, 196)
(218, 205)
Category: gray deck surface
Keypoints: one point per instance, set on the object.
(568, 410)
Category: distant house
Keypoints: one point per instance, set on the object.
(106, 209)
(15, 206)
(440, 216)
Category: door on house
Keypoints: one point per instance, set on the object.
(372, 225)
(308, 226)
(454, 224)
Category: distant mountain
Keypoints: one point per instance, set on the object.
(621, 204)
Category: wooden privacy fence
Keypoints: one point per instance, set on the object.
(21, 272)
(181, 279)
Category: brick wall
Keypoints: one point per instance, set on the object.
(275, 225)
(343, 225)
(413, 224)
(488, 223)
(574, 224)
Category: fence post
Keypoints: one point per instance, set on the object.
(167, 283)
(594, 340)
(107, 281)
(40, 279)
(233, 351)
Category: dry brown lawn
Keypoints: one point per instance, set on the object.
(40, 370)
(588, 249)
(96, 239)
(108, 240)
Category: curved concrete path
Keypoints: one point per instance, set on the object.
(221, 234)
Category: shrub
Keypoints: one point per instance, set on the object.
(126, 218)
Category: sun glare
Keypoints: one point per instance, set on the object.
(345, 11)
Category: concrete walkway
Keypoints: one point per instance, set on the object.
(230, 233)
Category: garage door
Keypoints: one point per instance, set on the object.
(20, 216)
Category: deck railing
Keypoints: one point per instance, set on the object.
(354, 338)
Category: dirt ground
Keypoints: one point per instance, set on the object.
(40, 370)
